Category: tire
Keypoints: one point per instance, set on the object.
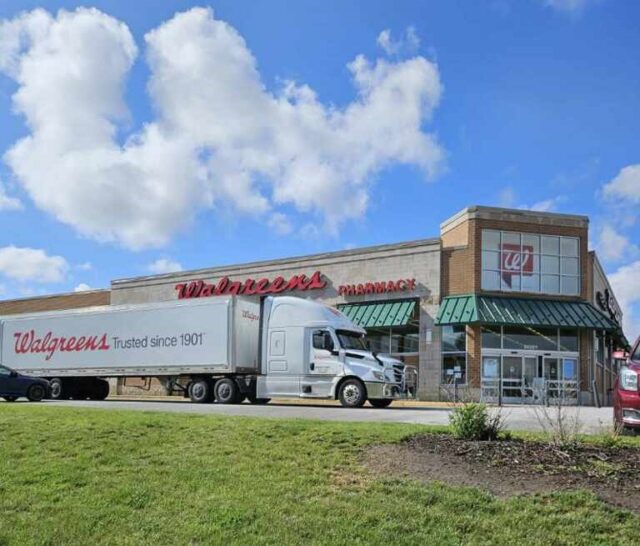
(59, 391)
(380, 402)
(36, 393)
(10, 398)
(99, 390)
(79, 390)
(352, 394)
(227, 391)
(200, 391)
(258, 401)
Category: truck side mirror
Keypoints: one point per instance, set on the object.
(13, 373)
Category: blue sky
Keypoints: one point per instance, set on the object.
(527, 103)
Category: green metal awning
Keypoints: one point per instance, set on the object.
(493, 310)
(379, 314)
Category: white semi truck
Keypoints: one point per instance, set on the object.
(223, 349)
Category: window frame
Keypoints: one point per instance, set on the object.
(561, 277)
(458, 353)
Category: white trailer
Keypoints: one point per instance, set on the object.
(221, 348)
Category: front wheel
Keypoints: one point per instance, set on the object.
(380, 402)
(36, 393)
(10, 398)
(352, 394)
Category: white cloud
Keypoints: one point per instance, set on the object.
(626, 185)
(613, 246)
(507, 197)
(85, 266)
(82, 287)
(569, 6)
(409, 42)
(164, 265)
(626, 286)
(7, 202)
(547, 205)
(280, 223)
(220, 136)
(30, 264)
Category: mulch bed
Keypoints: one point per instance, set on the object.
(514, 466)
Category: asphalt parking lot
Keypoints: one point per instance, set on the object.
(592, 420)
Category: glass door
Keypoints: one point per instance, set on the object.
(512, 378)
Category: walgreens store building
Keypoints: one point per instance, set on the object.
(507, 305)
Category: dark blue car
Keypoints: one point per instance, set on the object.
(14, 385)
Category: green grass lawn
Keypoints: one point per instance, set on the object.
(79, 476)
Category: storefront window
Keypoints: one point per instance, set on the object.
(524, 262)
(491, 337)
(569, 340)
(454, 367)
(454, 338)
(454, 354)
(600, 348)
(529, 338)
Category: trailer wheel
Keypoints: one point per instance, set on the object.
(58, 390)
(10, 398)
(380, 402)
(99, 390)
(352, 394)
(227, 391)
(36, 393)
(258, 401)
(200, 391)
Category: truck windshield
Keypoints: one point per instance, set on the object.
(352, 340)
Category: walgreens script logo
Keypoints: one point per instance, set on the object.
(29, 342)
(514, 261)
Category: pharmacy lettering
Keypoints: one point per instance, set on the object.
(377, 287)
(250, 287)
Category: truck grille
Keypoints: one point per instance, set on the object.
(398, 372)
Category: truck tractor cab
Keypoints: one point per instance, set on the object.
(311, 350)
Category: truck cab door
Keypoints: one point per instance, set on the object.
(284, 364)
(323, 364)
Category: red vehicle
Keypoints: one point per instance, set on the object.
(626, 393)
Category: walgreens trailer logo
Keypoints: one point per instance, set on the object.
(30, 343)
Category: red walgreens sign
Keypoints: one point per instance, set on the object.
(250, 287)
(516, 261)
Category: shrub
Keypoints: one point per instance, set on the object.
(473, 421)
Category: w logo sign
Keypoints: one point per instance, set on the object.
(515, 260)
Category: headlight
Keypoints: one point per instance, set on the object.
(628, 380)
(378, 375)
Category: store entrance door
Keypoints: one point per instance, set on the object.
(529, 377)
